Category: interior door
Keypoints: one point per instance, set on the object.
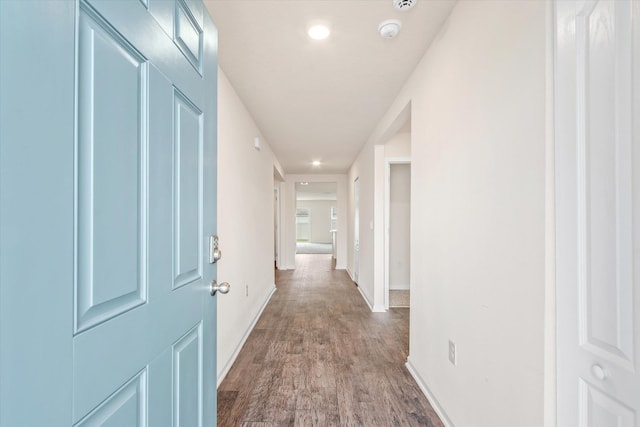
(598, 212)
(140, 204)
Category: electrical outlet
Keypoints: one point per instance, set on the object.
(452, 353)
(246, 290)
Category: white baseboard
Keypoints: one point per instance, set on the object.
(233, 357)
(374, 309)
(379, 309)
(341, 267)
(364, 297)
(349, 273)
(399, 287)
(430, 397)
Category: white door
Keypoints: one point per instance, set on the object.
(598, 212)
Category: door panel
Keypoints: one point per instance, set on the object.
(187, 158)
(188, 34)
(605, 180)
(125, 407)
(601, 409)
(598, 212)
(187, 378)
(111, 208)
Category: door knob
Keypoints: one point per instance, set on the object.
(223, 287)
(598, 372)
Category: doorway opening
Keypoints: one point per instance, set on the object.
(276, 226)
(278, 181)
(316, 217)
(394, 172)
(398, 232)
(356, 230)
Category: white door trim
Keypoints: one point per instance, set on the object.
(278, 226)
(387, 213)
(355, 274)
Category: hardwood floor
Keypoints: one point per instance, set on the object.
(319, 357)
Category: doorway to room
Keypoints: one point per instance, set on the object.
(395, 191)
(398, 227)
(356, 230)
(316, 217)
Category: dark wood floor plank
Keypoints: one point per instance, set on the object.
(315, 417)
(319, 357)
(226, 401)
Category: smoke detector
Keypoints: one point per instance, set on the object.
(390, 28)
(404, 4)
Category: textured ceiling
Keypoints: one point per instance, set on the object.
(320, 100)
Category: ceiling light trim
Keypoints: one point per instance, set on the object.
(390, 28)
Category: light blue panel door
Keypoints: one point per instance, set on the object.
(36, 212)
(142, 199)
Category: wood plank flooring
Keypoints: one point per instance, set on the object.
(319, 357)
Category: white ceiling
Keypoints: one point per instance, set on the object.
(317, 187)
(320, 100)
(316, 191)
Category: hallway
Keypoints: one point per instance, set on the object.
(319, 356)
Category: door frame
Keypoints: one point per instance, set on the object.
(276, 224)
(288, 201)
(355, 276)
(387, 223)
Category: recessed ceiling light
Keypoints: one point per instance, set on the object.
(319, 32)
(316, 163)
(304, 183)
(389, 28)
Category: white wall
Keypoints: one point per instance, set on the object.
(398, 145)
(245, 223)
(478, 112)
(320, 213)
(399, 226)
